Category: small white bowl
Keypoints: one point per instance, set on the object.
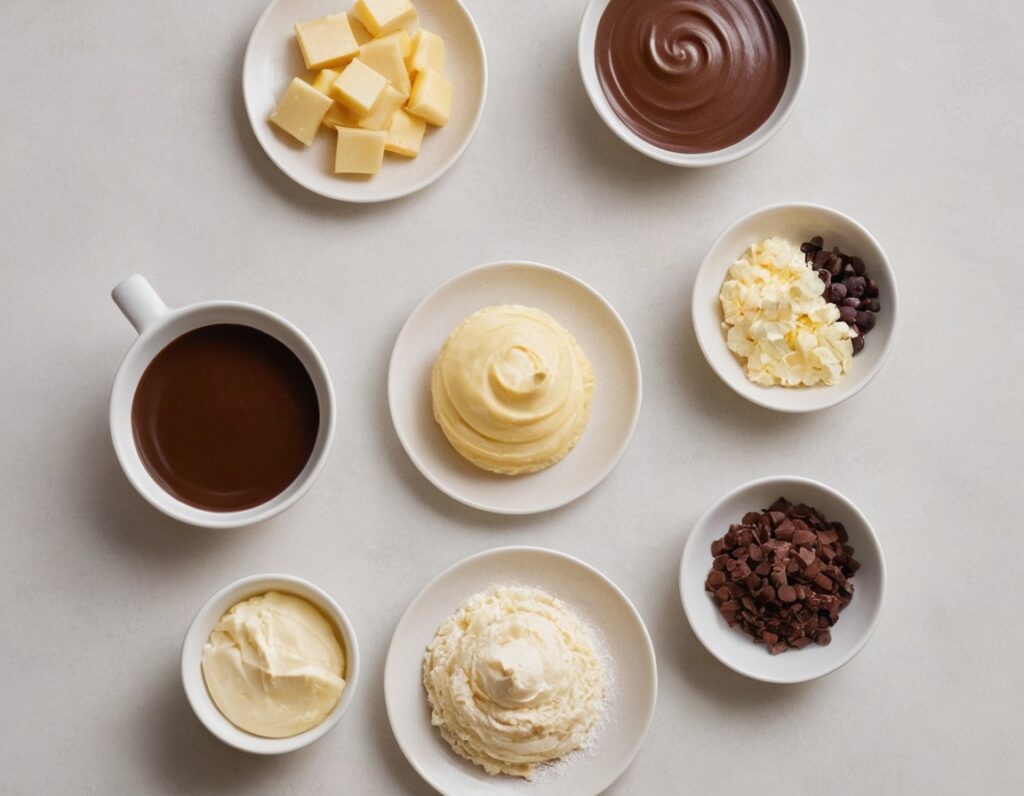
(601, 334)
(618, 629)
(735, 648)
(797, 223)
(273, 58)
(790, 14)
(199, 632)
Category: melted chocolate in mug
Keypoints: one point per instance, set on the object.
(225, 417)
(692, 75)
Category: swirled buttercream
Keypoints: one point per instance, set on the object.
(513, 680)
(512, 389)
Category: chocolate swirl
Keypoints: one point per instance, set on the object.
(692, 75)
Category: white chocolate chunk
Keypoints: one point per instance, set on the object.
(431, 98)
(359, 87)
(359, 151)
(384, 16)
(427, 52)
(327, 41)
(405, 134)
(380, 117)
(301, 110)
(384, 56)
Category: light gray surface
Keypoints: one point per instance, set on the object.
(124, 147)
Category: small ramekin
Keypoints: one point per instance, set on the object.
(790, 14)
(199, 632)
(736, 649)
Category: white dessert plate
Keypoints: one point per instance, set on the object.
(797, 223)
(617, 627)
(273, 58)
(735, 648)
(601, 334)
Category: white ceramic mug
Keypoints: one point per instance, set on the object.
(158, 325)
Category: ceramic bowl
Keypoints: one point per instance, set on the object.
(735, 648)
(199, 632)
(797, 223)
(790, 13)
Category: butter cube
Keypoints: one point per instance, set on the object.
(359, 151)
(405, 134)
(427, 52)
(339, 115)
(359, 87)
(327, 41)
(384, 56)
(404, 41)
(359, 30)
(431, 98)
(380, 117)
(324, 78)
(384, 16)
(301, 110)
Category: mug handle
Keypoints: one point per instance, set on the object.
(138, 301)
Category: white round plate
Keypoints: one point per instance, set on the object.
(617, 626)
(601, 334)
(735, 648)
(273, 58)
(797, 223)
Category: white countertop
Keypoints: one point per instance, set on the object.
(124, 147)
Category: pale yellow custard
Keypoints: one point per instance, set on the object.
(512, 389)
(274, 666)
(514, 680)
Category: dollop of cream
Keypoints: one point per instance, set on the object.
(776, 318)
(512, 389)
(274, 666)
(513, 680)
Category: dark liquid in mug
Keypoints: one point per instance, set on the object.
(225, 417)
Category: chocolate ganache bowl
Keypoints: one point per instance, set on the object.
(693, 82)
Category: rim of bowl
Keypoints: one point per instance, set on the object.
(892, 302)
(871, 536)
(762, 135)
(495, 551)
(620, 450)
(399, 192)
(177, 509)
(195, 685)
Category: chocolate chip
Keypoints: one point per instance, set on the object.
(783, 575)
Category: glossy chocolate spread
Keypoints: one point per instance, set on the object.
(692, 75)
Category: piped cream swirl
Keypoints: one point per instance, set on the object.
(513, 680)
(512, 389)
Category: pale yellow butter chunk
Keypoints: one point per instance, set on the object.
(359, 87)
(324, 78)
(405, 134)
(431, 98)
(359, 30)
(327, 41)
(404, 41)
(385, 57)
(384, 16)
(339, 115)
(301, 110)
(380, 117)
(359, 151)
(427, 52)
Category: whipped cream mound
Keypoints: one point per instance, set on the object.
(514, 680)
(777, 320)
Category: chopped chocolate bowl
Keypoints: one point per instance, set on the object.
(762, 576)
